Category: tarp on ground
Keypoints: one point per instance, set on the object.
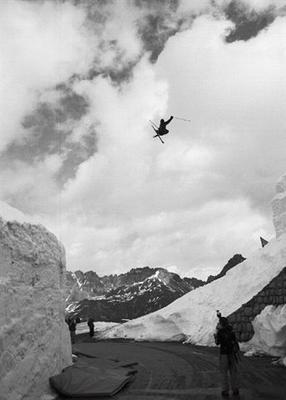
(92, 377)
(88, 350)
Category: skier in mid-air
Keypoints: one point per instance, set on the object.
(161, 130)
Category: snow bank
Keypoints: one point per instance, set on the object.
(281, 361)
(194, 314)
(99, 327)
(158, 328)
(269, 332)
(34, 339)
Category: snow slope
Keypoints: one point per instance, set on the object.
(194, 314)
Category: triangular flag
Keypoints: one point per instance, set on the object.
(263, 241)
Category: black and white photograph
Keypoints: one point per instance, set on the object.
(143, 199)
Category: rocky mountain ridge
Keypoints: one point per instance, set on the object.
(90, 285)
(124, 296)
(232, 262)
(129, 295)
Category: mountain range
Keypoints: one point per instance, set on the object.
(137, 292)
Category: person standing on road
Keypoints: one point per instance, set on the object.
(72, 328)
(229, 356)
(90, 324)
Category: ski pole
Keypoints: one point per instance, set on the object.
(153, 123)
(183, 119)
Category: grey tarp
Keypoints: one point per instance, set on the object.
(88, 350)
(93, 377)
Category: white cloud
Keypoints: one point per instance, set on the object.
(181, 158)
(235, 96)
(199, 241)
(125, 144)
(9, 213)
(41, 45)
(121, 26)
(258, 5)
(158, 197)
(194, 6)
(32, 188)
(263, 4)
(197, 7)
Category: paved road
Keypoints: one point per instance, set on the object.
(175, 371)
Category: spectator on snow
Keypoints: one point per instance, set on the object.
(90, 324)
(229, 356)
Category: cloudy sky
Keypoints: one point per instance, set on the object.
(80, 81)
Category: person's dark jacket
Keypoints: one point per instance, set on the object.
(72, 325)
(90, 323)
(225, 337)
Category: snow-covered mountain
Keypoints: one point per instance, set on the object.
(125, 296)
(259, 281)
(129, 295)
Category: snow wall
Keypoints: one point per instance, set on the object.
(269, 332)
(193, 316)
(279, 207)
(34, 338)
(274, 294)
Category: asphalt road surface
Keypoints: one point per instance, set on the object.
(184, 372)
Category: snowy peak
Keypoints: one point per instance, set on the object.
(161, 278)
(175, 283)
(93, 285)
(124, 296)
